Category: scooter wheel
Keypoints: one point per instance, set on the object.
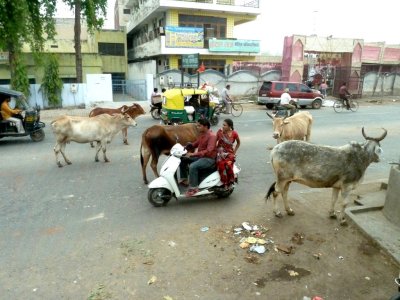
(224, 194)
(159, 197)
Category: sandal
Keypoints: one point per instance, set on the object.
(191, 192)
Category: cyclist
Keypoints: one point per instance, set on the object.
(226, 98)
(343, 93)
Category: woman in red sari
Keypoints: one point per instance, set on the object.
(228, 142)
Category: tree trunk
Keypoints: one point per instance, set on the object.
(77, 39)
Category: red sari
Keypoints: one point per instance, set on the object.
(226, 156)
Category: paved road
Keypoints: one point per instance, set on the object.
(55, 223)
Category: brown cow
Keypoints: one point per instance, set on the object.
(159, 139)
(133, 111)
(100, 129)
(296, 127)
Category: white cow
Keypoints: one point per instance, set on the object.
(100, 129)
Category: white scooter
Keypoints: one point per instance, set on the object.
(163, 188)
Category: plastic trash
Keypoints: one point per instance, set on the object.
(152, 280)
(247, 226)
(204, 229)
(258, 249)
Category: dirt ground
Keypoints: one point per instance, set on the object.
(307, 255)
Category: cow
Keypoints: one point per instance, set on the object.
(340, 168)
(159, 139)
(100, 129)
(133, 111)
(296, 127)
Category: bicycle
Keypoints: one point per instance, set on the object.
(339, 105)
(236, 109)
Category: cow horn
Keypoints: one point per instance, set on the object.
(270, 116)
(124, 109)
(378, 139)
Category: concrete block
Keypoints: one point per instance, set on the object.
(391, 208)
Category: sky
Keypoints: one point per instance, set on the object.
(373, 21)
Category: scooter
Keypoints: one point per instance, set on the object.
(163, 188)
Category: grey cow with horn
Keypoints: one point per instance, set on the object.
(340, 168)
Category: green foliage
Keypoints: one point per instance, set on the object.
(93, 11)
(52, 84)
(20, 81)
(24, 21)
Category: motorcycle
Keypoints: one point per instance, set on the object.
(282, 111)
(154, 111)
(163, 188)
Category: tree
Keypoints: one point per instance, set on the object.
(24, 21)
(93, 12)
(52, 84)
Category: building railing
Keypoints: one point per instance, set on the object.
(247, 3)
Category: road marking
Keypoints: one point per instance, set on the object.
(99, 216)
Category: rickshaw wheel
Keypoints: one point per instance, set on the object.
(37, 136)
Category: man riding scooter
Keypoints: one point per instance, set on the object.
(203, 158)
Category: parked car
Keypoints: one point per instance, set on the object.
(270, 92)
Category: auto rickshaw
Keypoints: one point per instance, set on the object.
(187, 105)
(30, 117)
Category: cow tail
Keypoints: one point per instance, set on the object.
(270, 191)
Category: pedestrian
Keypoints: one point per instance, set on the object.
(323, 88)
(228, 142)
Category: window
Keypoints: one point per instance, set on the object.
(279, 86)
(68, 79)
(304, 88)
(127, 11)
(116, 49)
(292, 87)
(214, 27)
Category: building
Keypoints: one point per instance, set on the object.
(103, 52)
(184, 34)
(368, 68)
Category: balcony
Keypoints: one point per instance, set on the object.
(246, 3)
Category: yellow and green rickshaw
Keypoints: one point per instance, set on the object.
(187, 105)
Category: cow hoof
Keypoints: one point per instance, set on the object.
(278, 214)
(59, 165)
(332, 215)
(343, 222)
(126, 143)
(107, 160)
(68, 162)
(96, 160)
(290, 212)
